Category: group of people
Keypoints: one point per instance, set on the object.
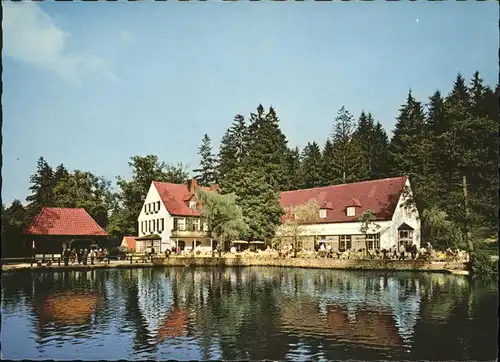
(81, 256)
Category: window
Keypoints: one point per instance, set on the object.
(196, 223)
(151, 225)
(373, 241)
(157, 206)
(345, 242)
(322, 213)
(406, 237)
(179, 223)
(192, 205)
(161, 225)
(158, 225)
(146, 209)
(142, 227)
(351, 211)
(205, 226)
(145, 227)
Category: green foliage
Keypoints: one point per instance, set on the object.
(267, 148)
(483, 266)
(206, 174)
(440, 230)
(347, 155)
(259, 201)
(224, 216)
(293, 181)
(310, 166)
(42, 183)
(83, 189)
(233, 147)
(15, 219)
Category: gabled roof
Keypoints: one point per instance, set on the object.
(65, 221)
(380, 196)
(176, 197)
(129, 241)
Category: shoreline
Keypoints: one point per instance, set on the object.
(457, 268)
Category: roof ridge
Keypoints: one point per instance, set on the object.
(346, 184)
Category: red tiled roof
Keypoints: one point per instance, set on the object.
(65, 221)
(176, 198)
(129, 242)
(380, 196)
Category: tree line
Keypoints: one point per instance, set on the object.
(438, 143)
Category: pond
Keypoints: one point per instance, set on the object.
(248, 313)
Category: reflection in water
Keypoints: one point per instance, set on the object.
(251, 313)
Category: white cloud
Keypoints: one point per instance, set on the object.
(30, 36)
(127, 37)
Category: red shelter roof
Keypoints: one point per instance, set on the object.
(65, 221)
(176, 197)
(379, 196)
(129, 242)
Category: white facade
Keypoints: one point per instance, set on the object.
(387, 231)
(154, 218)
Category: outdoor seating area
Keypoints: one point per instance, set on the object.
(423, 254)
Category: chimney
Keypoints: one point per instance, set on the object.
(192, 185)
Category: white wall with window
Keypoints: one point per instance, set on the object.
(345, 242)
(373, 241)
(154, 218)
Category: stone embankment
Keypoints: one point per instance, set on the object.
(241, 261)
(317, 263)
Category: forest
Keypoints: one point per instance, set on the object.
(447, 145)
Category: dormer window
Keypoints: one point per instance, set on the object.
(322, 213)
(192, 205)
(351, 211)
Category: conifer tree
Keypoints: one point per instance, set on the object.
(380, 153)
(311, 166)
(206, 174)
(267, 147)
(293, 169)
(346, 150)
(328, 168)
(364, 135)
(259, 202)
(42, 183)
(233, 147)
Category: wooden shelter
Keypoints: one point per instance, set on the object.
(146, 242)
(55, 229)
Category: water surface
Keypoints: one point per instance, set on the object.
(248, 313)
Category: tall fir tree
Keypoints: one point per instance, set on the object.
(206, 175)
(233, 147)
(380, 153)
(328, 169)
(364, 136)
(409, 148)
(267, 147)
(42, 183)
(346, 150)
(293, 169)
(311, 166)
(259, 202)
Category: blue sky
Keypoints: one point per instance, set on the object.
(92, 84)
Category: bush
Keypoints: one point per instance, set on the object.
(482, 266)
